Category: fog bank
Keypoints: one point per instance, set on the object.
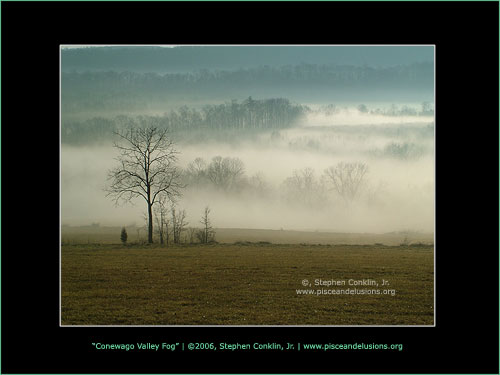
(397, 192)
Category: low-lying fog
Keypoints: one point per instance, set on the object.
(284, 185)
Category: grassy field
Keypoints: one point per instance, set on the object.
(109, 235)
(243, 284)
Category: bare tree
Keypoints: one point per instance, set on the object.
(174, 225)
(258, 184)
(207, 234)
(347, 178)
(179, 224)
(167, 230)
(303, 188)
(161, 219)
(146, 168)
(159, 229)
(196, 171)
(225, 173)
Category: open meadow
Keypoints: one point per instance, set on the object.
(246, 284)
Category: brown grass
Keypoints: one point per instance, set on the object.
(248, 284)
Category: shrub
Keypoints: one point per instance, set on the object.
(124, 236)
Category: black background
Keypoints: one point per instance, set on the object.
(465, 339)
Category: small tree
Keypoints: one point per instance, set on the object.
(167, 230)
(124, 236)
(179, 224)
(207, 233)
(161, 219)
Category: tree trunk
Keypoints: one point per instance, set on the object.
(161, 226)
(150, 223)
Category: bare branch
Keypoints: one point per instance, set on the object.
(347, 178)
(147, 169)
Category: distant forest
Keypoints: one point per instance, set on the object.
(250, 114)
(223, 121)
(183, 59)
(111, 90)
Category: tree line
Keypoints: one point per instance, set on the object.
(247, 115)
(227, 175)
(133, 90)
(250, 114)
(192, 58)
(416, 74)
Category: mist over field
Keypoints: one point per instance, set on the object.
(283, 146)
(398, 195)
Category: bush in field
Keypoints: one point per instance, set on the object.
(124, 236)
